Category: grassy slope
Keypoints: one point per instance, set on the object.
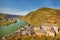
(42, 15)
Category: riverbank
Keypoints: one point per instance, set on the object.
(7, 21)
(6, 30)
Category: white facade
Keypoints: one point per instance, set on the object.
(45, 28)
(37, 28)
(56, 29)
(51, 29)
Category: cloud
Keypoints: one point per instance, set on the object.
(13, 11)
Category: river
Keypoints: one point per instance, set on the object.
(5, 30)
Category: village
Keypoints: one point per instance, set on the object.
(6, 21)
(44, 29)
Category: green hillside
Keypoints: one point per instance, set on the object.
(43, 15)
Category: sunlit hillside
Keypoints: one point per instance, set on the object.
(43, 15)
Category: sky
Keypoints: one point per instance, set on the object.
(22, 7)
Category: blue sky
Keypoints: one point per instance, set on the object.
(22, 7)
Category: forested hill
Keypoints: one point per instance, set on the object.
(43, 15)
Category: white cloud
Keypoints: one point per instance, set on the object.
(13, 11)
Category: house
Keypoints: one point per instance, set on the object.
(36, 28)
(51, 29)
(49, 26)
(47, 29)
(56, 29)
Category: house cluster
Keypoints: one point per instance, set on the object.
(23, 30)
(27, 30)
(44, 29)
(47, 29)
(7, 21)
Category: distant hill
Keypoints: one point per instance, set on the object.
(9, 15)
(43, 15)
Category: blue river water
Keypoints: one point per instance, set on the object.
(5, 30)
